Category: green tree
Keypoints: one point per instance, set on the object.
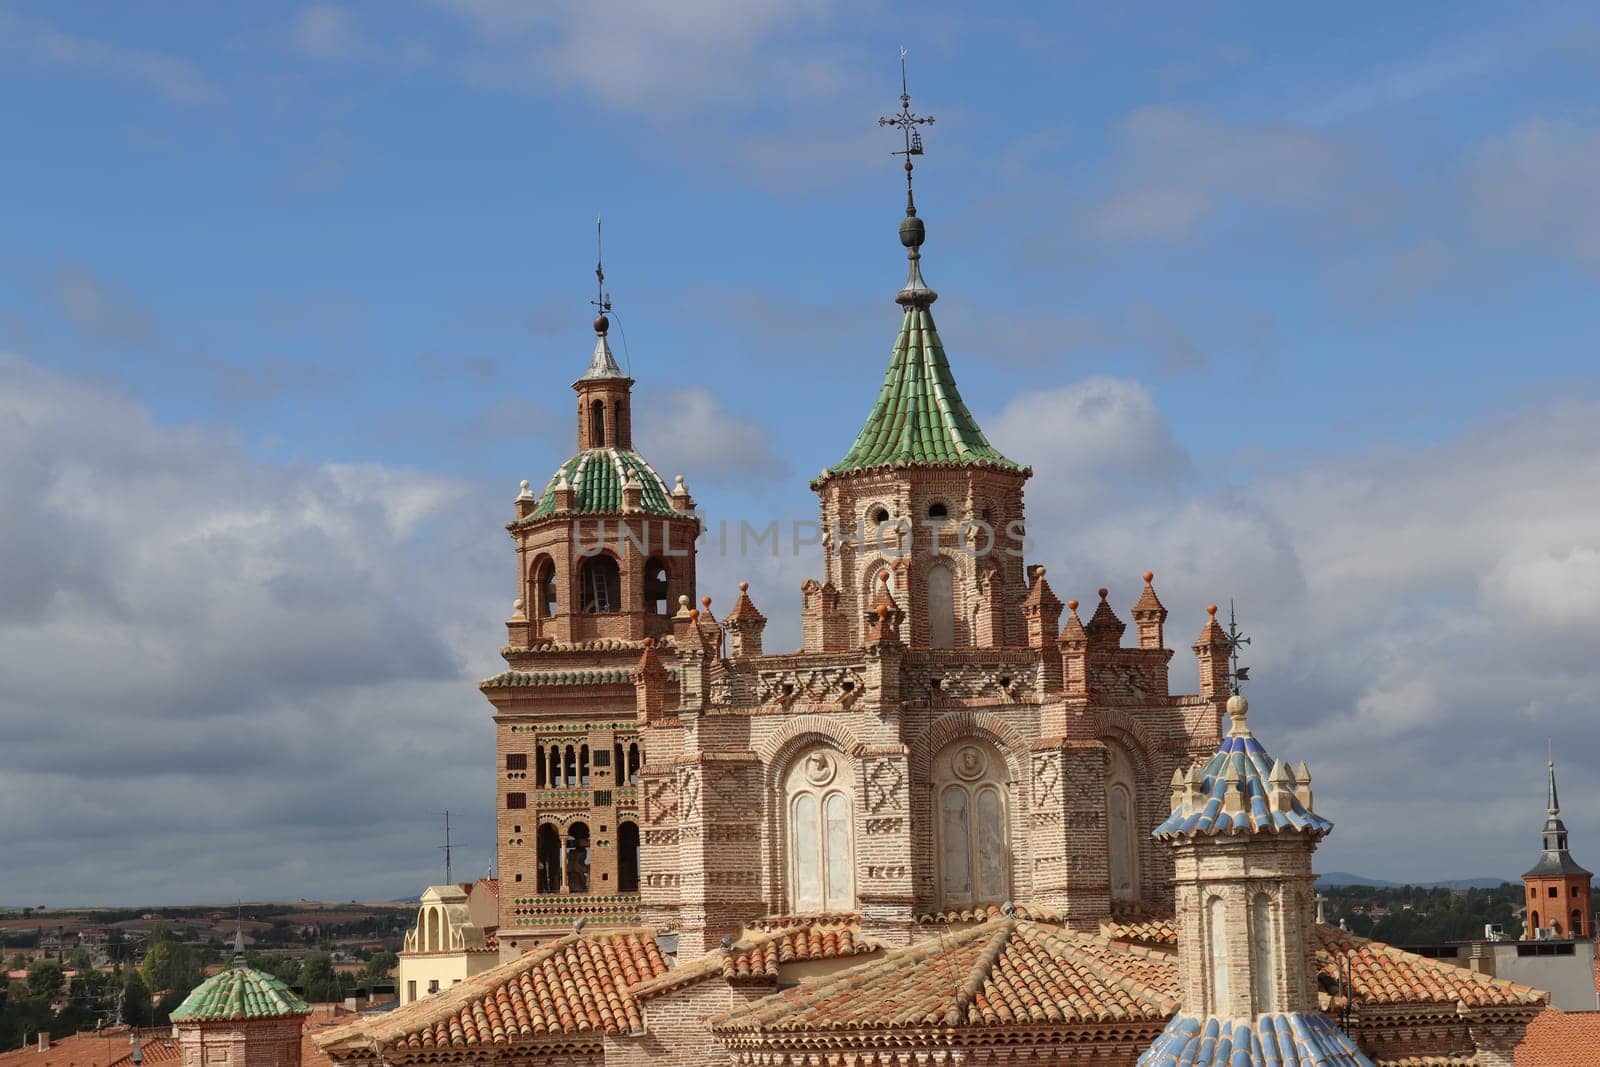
(169, 966)
(381, 966)
(137, 1009)
(318, 980)
(19, 962)
(46, 978)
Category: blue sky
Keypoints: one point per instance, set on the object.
(1296, 305)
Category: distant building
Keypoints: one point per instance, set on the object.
(1558, 897)
(453, 940)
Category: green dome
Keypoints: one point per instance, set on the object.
(239, 993)
(597, 476)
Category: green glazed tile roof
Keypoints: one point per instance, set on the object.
(597, 475)
(239, 993)
(606, 676)
(919, 416)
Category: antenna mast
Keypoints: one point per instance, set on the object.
(445, 848)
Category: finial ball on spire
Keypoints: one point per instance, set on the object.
(912, 231)
(744, 587)
(1072, 605)
(1149, 576)
(601, 325)
(1104, 592)
(1211, 609)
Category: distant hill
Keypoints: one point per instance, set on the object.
(1344, 878)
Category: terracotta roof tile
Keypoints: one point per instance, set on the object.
(985, 912)
(1002, 973)
(1383, 974)
(757, 957)
(1561, 1039)
(102, 1048)
(1141, 931)
(576, 985)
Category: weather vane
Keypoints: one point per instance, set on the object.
(1235, 639)
(602, 300)
(907, 123)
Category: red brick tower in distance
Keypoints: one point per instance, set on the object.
(1557, 889)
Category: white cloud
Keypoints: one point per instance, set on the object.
(36, 43)
(224, 667)
(687, 431)
(1540, 183)
(326, 31)
(1422, 617)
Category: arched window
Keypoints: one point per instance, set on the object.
(1217, 950)
(619, 765)
(1261, 963)
(969, 818)
(634, 762)
(628, 858)
(1122, 824)
(818, 795)
(941, 606)
(538, 770)
(578, 858)
(570, 778)
(555, 767)
(1577, 923)
(602, 585)
(583, 766)
(1536, 920)
(544, 588)
(655, 586)
(938, 512)
(597, 425)
(433, 941)
(549, 853)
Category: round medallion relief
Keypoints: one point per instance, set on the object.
(819, 768)
(971, 762)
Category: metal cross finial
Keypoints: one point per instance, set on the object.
(602, 300)
(907, 123)
(1235, 639)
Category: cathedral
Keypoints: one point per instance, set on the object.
(966, 822)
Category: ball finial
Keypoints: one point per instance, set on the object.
(1149, 576)
(649, 642)
(744, 587)
(1104, 592)
(705, 602)
(601, 325)
(1211, 609)
(1072, 605)
(883, 612)
(883, 578)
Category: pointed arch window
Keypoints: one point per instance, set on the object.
(818, 795)
(602, 585)
(544, 588)
(655, 586)
(597, 424)
(628, 857)
(1217, 953)
(1122, 824)
(970, 824)
(1262, 976)
(941, 606)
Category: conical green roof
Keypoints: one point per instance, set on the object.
(919, 416)
(239, 993)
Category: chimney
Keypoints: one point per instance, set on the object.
(44, 1041)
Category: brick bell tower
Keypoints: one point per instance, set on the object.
(1557, 889)
(921, 496)
(606, 550)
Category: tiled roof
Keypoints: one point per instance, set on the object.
(597, 475)
(983, 913)
(612, 676)
(1378, 973)
(1141, 931)
(999, 974)
(97, 1048)
(1241, 789)
(1383, 974)
(1299, 1039)
(757, 957)
(576, 985)
(1561, 1039)
(919, 416)
(239, 993)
